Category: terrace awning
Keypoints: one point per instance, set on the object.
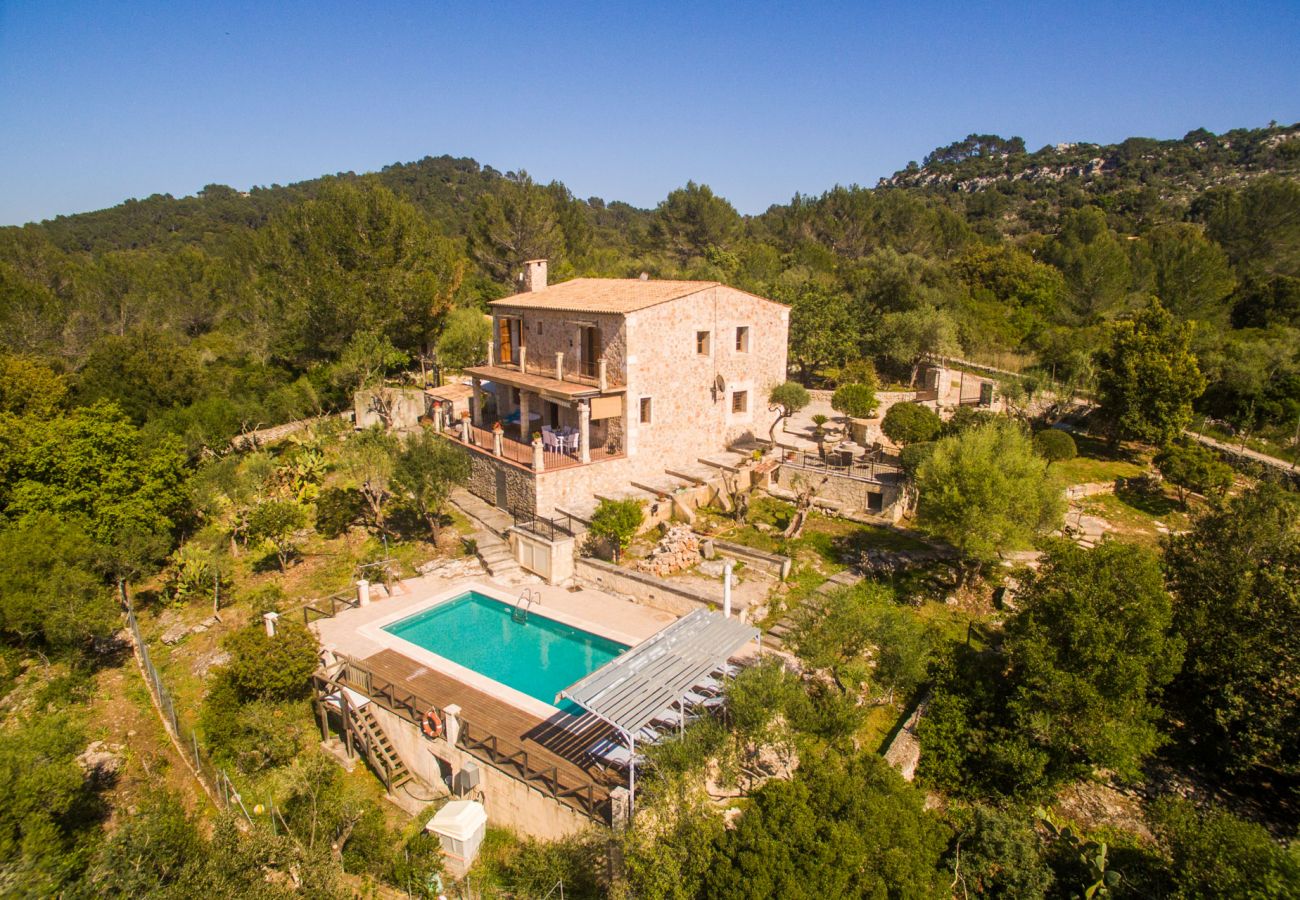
(630, 691)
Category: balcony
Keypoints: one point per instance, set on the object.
(597, 373)
(521, 453)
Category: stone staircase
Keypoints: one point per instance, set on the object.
(379, 749)
(777, 634)
(497, 557)
(489, 537)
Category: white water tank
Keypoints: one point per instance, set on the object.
(460, 826)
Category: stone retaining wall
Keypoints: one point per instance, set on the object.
(657, 593)
(774, 563)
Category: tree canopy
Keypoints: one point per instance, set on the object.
(1237, 578)
(986, 491)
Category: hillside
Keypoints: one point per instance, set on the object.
(1021, 185)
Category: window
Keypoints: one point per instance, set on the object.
(742, 339)
(645, 410)
(702, 343)
(539, 327)
(739, 401)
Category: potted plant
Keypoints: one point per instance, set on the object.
(497, 428)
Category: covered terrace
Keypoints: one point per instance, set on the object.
(657, 679)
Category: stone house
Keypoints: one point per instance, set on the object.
(593, 383)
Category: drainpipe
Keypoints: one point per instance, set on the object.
(726, 588)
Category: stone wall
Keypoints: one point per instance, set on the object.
(266, 437)
(547, 332)
(521, 493)
(407, 405)
(687, 419)
(849, 494)
(657, 593)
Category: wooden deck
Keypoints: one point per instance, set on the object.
(505, 736)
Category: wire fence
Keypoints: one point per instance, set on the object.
(214, 780)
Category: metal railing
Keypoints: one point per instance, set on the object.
(543, 526)
(586, 796)
(862, 468)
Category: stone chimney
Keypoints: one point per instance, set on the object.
(534, 275)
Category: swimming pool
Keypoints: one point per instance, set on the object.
(538, 657)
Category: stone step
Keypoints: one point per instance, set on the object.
(729, 462)
(695, 473)
(662, 484)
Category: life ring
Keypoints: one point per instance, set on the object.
(432, 725)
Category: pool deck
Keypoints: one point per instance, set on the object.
(358, 632)
(550, 737)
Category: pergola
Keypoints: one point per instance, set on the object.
(631, 691)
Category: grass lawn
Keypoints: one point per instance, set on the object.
(1137, 517)
(1097, 463)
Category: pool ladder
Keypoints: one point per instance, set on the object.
(525, 602)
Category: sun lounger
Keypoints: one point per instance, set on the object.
(612, 753)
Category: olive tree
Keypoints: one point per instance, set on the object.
(786, 399)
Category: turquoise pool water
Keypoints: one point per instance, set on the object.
(539, 657)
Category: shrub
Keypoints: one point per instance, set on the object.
(270, 668)
(911, 423)
(857, 401)
(997, 854)
(1214, 854)
(1191, 467)
(1055, 445)
(617, 522)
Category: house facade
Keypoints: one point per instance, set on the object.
(594, 383)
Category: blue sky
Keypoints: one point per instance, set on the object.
(101, 101)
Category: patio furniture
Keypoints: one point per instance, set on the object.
(614, 754)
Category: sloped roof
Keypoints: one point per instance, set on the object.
(605, 295)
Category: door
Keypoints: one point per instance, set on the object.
(589, 350)
(508, 338)
(503, 500)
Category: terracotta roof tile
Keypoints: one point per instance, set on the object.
(605, 295)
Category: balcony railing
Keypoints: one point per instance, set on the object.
(600, 372)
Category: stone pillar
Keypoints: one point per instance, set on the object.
(498, 440)
(602, 375)
(539, 457)
(726, 588)
(584, 431)
(437, 417)
(620, 808)
(451, 723)
(559, 366)
(363, 592)
(476, 403)
(492, 351)
(270, 620)
(525, 430)
(464, 429)
(523, 351)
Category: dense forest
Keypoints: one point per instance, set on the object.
(137, 341)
